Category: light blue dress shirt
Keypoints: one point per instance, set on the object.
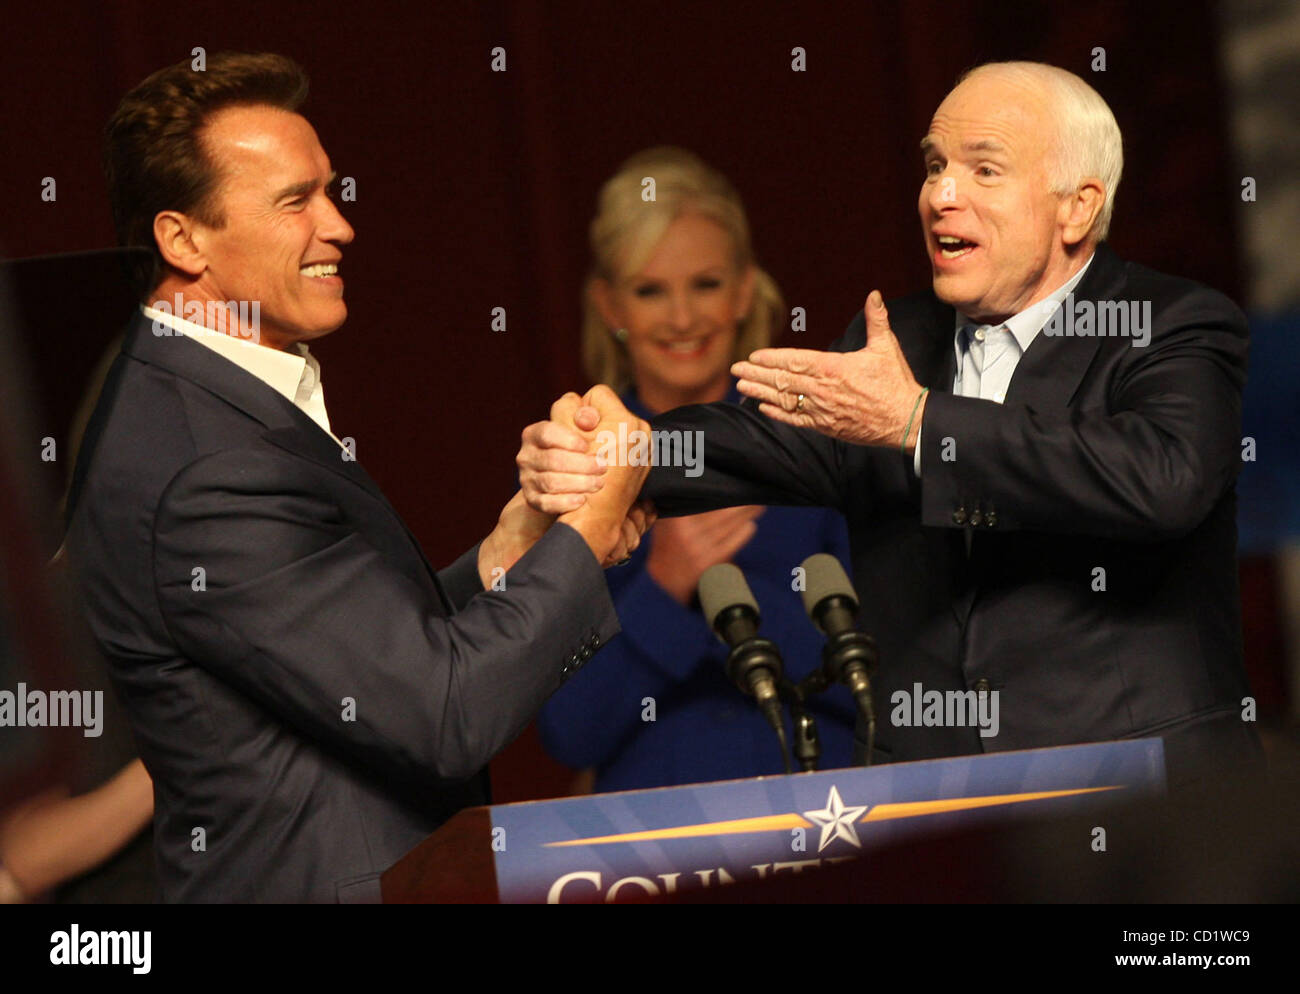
(987, 355)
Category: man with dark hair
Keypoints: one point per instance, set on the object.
(154, 152)
(310, 698)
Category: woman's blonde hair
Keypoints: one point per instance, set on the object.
(626, 229)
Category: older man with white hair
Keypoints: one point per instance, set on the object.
(1036, 456)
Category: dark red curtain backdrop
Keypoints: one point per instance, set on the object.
(474, 188)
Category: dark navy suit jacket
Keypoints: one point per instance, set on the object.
(1103, 457)
(310, 697)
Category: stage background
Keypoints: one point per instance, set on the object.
(475, 188)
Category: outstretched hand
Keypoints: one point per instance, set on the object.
(867, 397)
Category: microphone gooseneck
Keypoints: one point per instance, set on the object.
(849, 656)
(754, 663)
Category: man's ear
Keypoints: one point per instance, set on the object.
(174, 234)
(1080, 209)
(602, 295)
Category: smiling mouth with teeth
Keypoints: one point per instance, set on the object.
(320, 271)
(688, 346)
(951, 247)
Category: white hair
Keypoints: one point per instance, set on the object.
(1088, 142)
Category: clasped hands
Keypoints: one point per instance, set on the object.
(597, 501)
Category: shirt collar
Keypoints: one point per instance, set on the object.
(281, 371)
(1026, 325)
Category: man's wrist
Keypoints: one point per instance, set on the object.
(600, 534)
(489, 556)
(518, 529)
(913, 429)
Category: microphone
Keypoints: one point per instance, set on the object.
(850, 655)
(754, 664)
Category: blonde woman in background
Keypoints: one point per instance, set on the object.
(674, 297)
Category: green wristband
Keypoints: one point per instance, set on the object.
(902, 446)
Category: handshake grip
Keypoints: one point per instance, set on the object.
(602, 518)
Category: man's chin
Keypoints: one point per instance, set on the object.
(284, 339)
(955, 292)
(963, 298)
(322, 331)
(327, 323)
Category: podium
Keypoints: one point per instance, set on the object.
(670, 842)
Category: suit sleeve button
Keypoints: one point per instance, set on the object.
(959, 516)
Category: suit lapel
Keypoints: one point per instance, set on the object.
(287, 426)
(310, 442)
(186, 358)
(1049, 373)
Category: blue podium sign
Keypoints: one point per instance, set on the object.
(653, 842)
